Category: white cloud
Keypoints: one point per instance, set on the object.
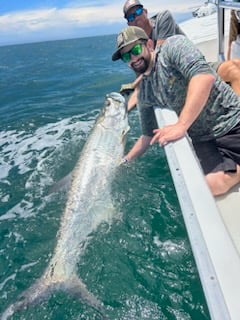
(154, 6)
(24, 24)
(55, 17)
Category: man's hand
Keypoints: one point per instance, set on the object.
(169, 133)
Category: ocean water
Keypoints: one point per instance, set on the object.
(141, 266)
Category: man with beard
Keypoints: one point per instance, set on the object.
(176, 75)
(159, 28)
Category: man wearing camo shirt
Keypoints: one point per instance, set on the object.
(176, 75)
(159, 28)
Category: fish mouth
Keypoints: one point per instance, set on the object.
(116, 96)
(119, 98)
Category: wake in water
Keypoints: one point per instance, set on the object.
(89, 204)
(31, 155)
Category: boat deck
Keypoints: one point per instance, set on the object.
(203, 33)
(229, 208)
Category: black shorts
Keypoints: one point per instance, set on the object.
(221, 154)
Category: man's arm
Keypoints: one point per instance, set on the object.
(199, 89)
(139, 148)
(132, 102)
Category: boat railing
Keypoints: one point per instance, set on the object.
(221, 6)
(205, 227)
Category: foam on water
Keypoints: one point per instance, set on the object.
(171, 248)
(28, 155)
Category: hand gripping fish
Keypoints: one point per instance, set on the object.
(88, 204)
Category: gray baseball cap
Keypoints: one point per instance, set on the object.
(127, 36)
(129, 4)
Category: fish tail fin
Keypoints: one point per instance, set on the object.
(37, 293)
(40, 291)
(76, 288)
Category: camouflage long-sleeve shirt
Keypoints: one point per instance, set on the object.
(177, 61)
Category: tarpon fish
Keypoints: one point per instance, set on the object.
(89, 204)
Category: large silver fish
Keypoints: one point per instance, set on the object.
(89, 203)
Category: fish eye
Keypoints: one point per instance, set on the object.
(108, 102)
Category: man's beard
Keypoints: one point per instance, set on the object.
(143, 67)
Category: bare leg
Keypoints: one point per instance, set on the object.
(220, 182)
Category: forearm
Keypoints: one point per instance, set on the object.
(132, 101)
(139, 148)
(137, 81)
(197, 95)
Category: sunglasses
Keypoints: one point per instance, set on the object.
(136, 50)
(137, 13)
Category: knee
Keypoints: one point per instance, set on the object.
(229, 70)
(217, 184)
(235, 62)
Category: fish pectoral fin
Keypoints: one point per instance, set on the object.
(76, 288)
(123, 135)
(62, 185)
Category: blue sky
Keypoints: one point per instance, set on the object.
(23, 21)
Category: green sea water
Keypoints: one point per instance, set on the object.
(141, 265)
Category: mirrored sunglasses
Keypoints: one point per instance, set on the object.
(133, 15)
(136, 50)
